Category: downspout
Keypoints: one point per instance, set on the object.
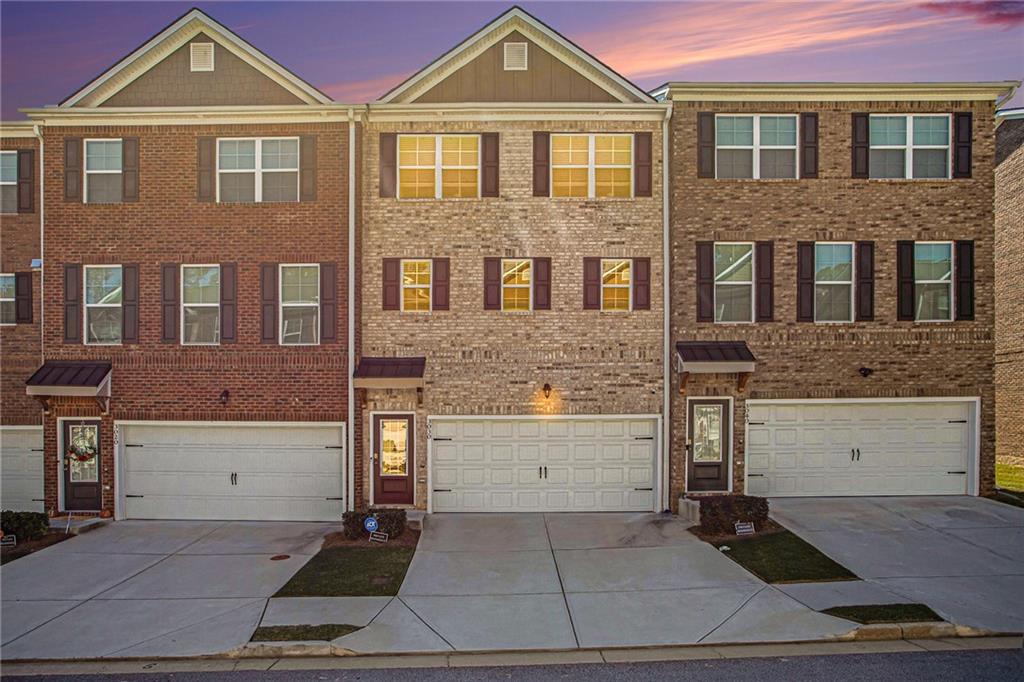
(350, 346)
(666, 289)
(42, 269)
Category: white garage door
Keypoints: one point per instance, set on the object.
(233, 472)
(535, 465)
(858, 448)
(21, 468)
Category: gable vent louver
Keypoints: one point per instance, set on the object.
(515, 56)
(202, 56)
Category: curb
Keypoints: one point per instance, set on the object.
(865, 633)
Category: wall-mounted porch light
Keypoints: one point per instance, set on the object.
(547, 390)
(224, 395)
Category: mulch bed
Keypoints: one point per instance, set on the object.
(407, 539)
(29, 546)
(768, 527)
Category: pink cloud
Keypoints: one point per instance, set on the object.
(1005, 13)
(365, 90)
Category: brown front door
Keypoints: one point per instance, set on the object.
(81, 459)
(708, 445)
(393, 458)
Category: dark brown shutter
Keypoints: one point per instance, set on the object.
(391, 284)
(388, 165)
(642, 164)
(328, 302)
(228, 303)
(964, 280)
(541, 164)
(805, 281)
(489, 162)
(591, 283)
(865, 294)
(705, 145)
(268, 303)
(542, 284)
(641, 284)
(860, 144)
(492, 284)
(26, 180)
(764, 266)
(905, 280)
(72, 169)
(808, 145)
(129, 303)
(73, 303)
(440, 284)
(705, 281)
(130, 169)
(962, 131)
(169, 291)
(22, 297)
(206, 159)
(307, 168)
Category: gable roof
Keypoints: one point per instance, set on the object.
(516, 19)
(176, 34)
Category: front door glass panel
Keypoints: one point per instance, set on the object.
(82, 451)
(707, 433)
(394, 439)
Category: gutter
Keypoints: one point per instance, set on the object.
(666, 289)
(350, 349)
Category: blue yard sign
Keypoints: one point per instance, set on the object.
(370, 524)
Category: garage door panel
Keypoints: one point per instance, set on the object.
(858, 449)
(21, 469)
(232, 472)
(590, 464)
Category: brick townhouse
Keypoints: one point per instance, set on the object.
(20, 316)
(833, 299)
(514, 282)
(196, 327)
(1010, 287)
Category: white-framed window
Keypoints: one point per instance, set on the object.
(833, 281)
(756, 146)
(8, 310)
(201, 56)
(734, 282)
(438, 166)
(200, 305)
(8, 182)
(257, 169)
(102, 171)
(417, 276)
(517, 284)
(586, 165)
(616, 284)
(300, 304)
(103, 294)
(933, 281)
(516, 56)
(911, 146)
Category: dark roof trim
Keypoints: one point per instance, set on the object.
(389, 372)
(714, 357)
(70, 377)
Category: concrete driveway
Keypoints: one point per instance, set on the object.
(562, 581)
(963, 556)
(137, 588)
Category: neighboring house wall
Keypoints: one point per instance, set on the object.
(157, 380)
(494, 362)
(1010, 291)
(172, 83)
(20, 343)
(801, 360)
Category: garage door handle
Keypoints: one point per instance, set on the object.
(139, 496)
(643, 437)
(957, 421)
(852, 454)
(442, 490)
(644, 489)
(333, 498)
(858, 454)
(755, 475)
(956, 472)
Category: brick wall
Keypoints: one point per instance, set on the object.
(20, 344)
(493, 362)
(1010, 294)
(160, 381)
(807, 360)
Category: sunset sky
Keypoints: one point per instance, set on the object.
(355, 51)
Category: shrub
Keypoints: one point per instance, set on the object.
(24, 525)
(390, 521)
(719, 513)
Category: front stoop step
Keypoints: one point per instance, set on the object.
(414, 518)
(76, 525)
